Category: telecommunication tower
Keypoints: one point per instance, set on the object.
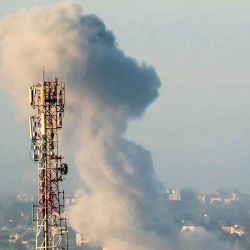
(48, 99)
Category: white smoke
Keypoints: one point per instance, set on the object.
(118, 206)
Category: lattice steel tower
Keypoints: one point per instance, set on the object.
(48, 99)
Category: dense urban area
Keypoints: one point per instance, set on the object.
(225, 213)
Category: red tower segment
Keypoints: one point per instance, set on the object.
(48, 98)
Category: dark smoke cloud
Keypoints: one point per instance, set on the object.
(111, 76)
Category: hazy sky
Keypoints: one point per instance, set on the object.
(199, 128)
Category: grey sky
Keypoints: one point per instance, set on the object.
(199, 128)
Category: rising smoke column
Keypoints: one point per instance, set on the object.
(106, 89)
(118, 205)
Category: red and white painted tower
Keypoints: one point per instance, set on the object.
(48, 99)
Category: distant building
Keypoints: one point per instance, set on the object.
(69, 201)
(235, 229)
(212, 198)
(218, 197)
(14, 237)
(83, 243)
(202, 198)
(215, 199)
(81, 240)
(174, 195)
(25, 242)
(188, 228)
(234, 197)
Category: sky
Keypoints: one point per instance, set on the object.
(198, 130)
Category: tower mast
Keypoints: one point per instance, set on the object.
(48, 99)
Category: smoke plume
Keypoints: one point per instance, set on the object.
(118, 206)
